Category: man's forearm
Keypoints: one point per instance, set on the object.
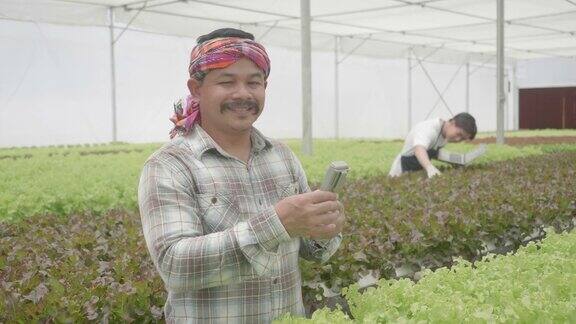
(422, 157)
(217, 259)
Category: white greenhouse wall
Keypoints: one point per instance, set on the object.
(546, 73)
(55, 89)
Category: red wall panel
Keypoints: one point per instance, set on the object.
(548, 108)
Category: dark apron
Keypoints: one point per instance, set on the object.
(410, 163)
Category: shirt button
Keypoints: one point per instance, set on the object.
(275, 281)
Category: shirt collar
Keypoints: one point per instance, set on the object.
(441, 139)
(201, 142)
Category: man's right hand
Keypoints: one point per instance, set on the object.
(316, 215)
(432, 171)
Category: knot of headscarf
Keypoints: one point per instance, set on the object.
(217, 53)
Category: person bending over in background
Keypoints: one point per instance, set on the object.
(427, 138)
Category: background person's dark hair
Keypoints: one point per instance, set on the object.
(467, 123)
(218, 33)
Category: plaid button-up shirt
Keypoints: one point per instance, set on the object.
(213, 233)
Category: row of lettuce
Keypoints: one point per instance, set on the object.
(98, 179)
(397, 228)
(537, 284)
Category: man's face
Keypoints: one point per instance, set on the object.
(454, 133)
(231, 99)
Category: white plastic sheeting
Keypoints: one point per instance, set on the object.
(55, 63)
(535, 28)
(54, 84)
(546, 72)
(55, 89)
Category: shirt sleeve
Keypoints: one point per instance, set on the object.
(424, 135)
(186, 257)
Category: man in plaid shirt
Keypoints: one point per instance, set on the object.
(227, 212)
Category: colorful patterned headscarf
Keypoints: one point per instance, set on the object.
(217, 53)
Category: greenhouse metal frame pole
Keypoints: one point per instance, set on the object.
(336, 89)
(306, 77)
(113, 75)
(468, 87)
(427, 74)
(409, 101)
(516, 98)
(500, 97)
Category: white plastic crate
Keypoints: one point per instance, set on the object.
(461, 158)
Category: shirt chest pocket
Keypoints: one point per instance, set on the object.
(221, 211)
(218, 211)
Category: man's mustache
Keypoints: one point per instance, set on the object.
(251, 104)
